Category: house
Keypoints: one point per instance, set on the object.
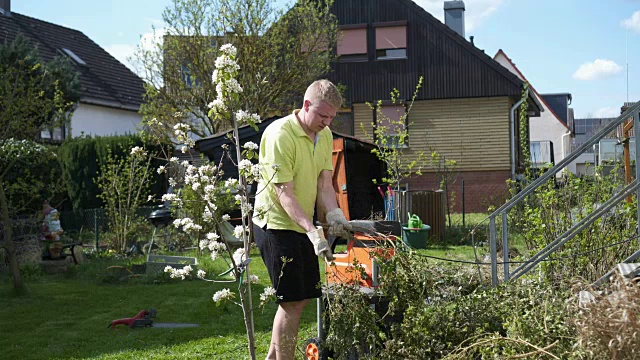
(467, 109)
(111, 94)
(550, 134)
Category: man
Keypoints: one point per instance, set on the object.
(300, 147)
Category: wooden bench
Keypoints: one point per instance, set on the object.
(64, 253)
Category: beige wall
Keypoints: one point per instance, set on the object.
(474, 132)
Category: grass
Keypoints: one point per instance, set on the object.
(66, 316)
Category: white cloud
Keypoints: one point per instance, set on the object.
(122, 52)
(125, 53)
(598, 69)
(632, 23)
(607, 112)
(475, 10)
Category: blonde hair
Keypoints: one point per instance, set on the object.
(324, 90)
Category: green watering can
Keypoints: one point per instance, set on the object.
(414, 222)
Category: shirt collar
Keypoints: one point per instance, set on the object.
(297, 128)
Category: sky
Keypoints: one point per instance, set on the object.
(581, 47)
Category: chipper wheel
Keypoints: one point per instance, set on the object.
(313, 350)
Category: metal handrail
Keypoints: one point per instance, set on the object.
(575, 229)
(572, 156)
(632, 111)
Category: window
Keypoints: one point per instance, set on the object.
(352, 43)
(53, 135)
(190, 81)
(74, 57)
(390, 118)
(391, 42)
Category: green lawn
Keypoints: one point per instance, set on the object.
(66, 316)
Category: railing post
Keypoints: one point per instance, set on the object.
(505, 246)
(636, 135)
(494, 255)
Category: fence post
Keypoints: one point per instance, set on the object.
(494, 255)
(505, 246)
(96, 229)
(463, 223)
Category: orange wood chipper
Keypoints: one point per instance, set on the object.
(356, 266)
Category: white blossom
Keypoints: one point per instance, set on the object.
(187, 225)
(239, 256)
(267, 294)
(162, 169)
(239, 231)
(150, 198)
(244, 164)
(250, 145)
(231, 183)
(233, 86)
(218, 106)
(173, 159)
(203, 244)
(201, 274)
(138, 151)
(184, 149)
(226, 217)
(215, 246)
(228, 49)
(224, 294)
(213, 236)
(182, 126)
(253, 279)
(243, 116)
(255, 170)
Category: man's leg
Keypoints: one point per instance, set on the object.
(284, 335)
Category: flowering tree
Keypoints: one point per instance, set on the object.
(208, 188)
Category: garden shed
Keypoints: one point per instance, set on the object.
(355, 167)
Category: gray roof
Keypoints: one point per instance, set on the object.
(104, 80)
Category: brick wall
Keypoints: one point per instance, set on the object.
(482, 188)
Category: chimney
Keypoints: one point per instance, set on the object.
(454, 16)
(5, 7)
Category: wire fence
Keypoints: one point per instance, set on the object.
(91, 227)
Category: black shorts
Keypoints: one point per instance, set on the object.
(300, 278)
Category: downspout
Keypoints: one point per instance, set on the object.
(512, 123)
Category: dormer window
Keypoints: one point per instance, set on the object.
(352, 43)
(74, 57)
(391, 41)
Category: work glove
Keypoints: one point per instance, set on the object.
(320, 244)
(338, 224)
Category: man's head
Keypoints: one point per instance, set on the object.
(321, 103)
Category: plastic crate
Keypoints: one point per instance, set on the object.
(157, 263)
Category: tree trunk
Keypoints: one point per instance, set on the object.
(8, 239)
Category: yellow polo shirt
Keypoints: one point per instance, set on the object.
(284, 143)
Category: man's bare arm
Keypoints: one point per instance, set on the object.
(287, 198)
(326, 194)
